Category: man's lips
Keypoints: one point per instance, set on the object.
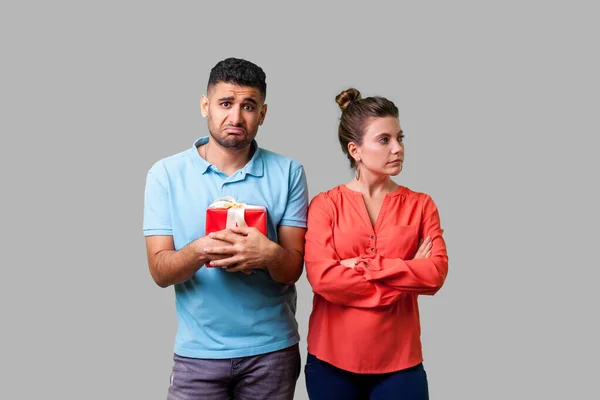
(235, 131)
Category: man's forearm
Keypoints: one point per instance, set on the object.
(169, 267)
(285, 266)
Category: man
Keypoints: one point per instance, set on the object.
(237, 335)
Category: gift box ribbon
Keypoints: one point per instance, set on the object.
(235, 210)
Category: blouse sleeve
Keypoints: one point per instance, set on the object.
(419, 276)
(330, 279)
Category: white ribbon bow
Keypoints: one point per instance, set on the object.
(235, 210)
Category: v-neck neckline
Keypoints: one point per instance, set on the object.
(363, 206)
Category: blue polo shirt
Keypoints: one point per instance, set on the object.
(222, 314)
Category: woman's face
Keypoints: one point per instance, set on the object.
(382, 150)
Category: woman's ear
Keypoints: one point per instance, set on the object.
(354, 151)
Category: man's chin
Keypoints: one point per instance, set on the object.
(235, 142)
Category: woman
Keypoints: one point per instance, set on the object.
(372, 247)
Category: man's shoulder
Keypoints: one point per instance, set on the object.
(270, 157)
(172, 162)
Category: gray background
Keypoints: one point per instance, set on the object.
(499, 102)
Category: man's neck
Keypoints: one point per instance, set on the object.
(227, 160)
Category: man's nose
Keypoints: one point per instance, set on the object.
(235, 116)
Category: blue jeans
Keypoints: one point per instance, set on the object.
(270, 376)
(326, 382)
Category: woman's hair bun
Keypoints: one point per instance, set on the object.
(347, 97)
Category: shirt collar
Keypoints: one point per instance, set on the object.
(254, 167)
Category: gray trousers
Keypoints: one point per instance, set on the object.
(270, 376)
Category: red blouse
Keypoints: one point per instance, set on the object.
(366, 319)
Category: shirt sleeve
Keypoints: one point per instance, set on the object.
(420, 276)
(335, 282)
(297, 202)
(157, 211)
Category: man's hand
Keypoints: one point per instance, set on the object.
(200, 244)
(245, 248)
(169, 267)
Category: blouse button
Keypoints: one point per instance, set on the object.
(372, 249)
(372, 237)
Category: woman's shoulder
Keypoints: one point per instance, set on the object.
(410, 193)
(419, 199)
(328, 196)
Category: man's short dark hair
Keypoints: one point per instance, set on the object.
(238, 72)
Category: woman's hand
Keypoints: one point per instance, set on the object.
(424, 250)
(349, 262)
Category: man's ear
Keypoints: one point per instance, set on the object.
(263, 113)
(204, 106)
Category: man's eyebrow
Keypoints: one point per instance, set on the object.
(231, 98)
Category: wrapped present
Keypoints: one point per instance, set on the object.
(225, 212)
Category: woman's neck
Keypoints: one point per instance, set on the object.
(373, 186)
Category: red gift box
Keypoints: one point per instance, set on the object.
(225, 213)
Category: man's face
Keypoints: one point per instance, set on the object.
(234, 114)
